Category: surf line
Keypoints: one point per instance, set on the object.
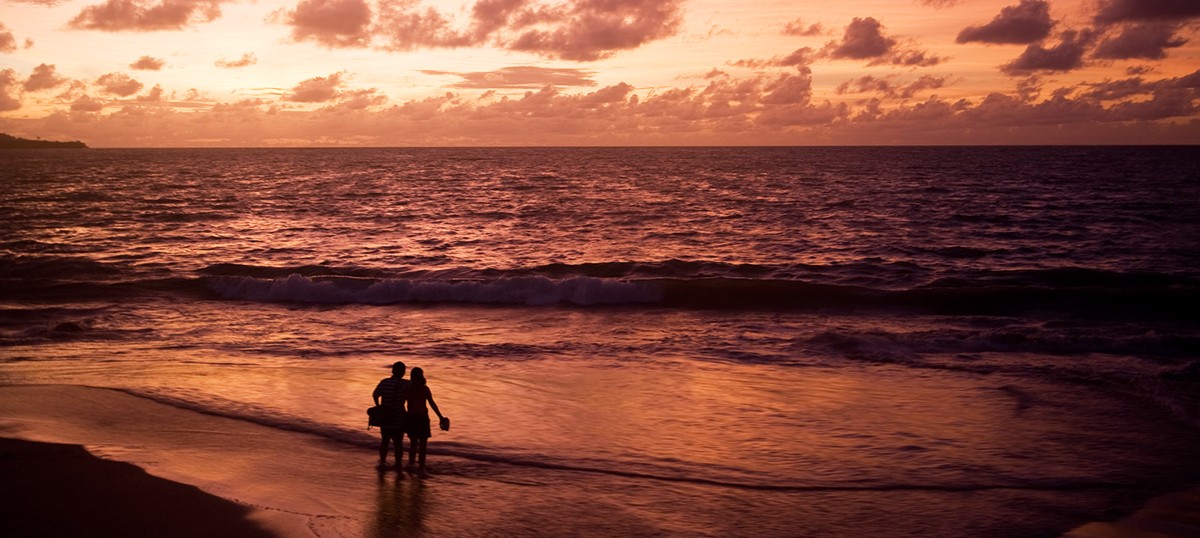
(1045, 486)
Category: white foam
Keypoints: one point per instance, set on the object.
(530, 290)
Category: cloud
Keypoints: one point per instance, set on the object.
(148, 63)
(332, 23)
(579, 30)
(9, 100)
(119, 84)
(1067, 55)
(864, 40)
(8, 42)
(1142, 40)
(797, 28)
(595, 29)
(154, 96)
(520, 76)
(146, 16)
(43, 78)
(87, 104)
(801, 57)
(47, 3)
(358, 100)
(888, 89)
(403, 26)
(246, 60)
(940, 3)
(1113, 11)
(317, 89)
(1024, 23)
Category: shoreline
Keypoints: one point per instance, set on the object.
(52, 489)
(225, 477)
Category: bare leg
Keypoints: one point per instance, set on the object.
(383, 447)
(421, 454)
(412, 450)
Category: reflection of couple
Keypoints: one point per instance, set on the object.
(406, 398)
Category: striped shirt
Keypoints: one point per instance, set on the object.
(387, 388)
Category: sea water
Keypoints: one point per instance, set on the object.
(647, 341)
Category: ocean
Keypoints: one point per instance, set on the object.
(925, 341)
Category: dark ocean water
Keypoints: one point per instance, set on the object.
(1015, 320)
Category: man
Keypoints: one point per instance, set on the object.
(391, 392)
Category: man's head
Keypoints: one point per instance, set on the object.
(398, 369)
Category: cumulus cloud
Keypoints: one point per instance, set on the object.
(520, 76)
(590, 30)
(798, 28)
(247, 59)
(1067, 55)
(864, 40)
(9, 99)
(1024, 23)
(1113, 11)
(404, 26)
(119, 84)
(145, 16)
(155, 95)
(1142, 40)
(148, 63)
(886, 87)
(581, 30)
(85, 103)
(317, 89)
(332, 23)
(44, 77)
(8, 42)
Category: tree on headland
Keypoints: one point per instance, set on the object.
(12, 142)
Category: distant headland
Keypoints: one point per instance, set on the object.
(12, 142)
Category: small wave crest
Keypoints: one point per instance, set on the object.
(529, 290)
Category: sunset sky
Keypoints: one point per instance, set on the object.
(134, 73)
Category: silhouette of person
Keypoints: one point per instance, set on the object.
(392, 392)
(418, 419)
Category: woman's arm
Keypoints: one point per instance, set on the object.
(432, 404)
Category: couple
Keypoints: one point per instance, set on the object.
(399, 394)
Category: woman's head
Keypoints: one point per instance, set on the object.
(418, 375)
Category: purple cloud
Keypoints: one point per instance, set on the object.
(863, 39)
(1142, 40)
(1067, 55)
(1024, 23)
(1113, 11)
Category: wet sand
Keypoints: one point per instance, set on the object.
(251, 480)
(61, 490)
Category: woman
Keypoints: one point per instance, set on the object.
(418, 419)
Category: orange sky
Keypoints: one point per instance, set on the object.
(134, 73)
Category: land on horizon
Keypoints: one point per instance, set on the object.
(13, 142)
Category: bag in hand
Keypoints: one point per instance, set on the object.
(380, 415)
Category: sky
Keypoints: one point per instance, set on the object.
(272, 73)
